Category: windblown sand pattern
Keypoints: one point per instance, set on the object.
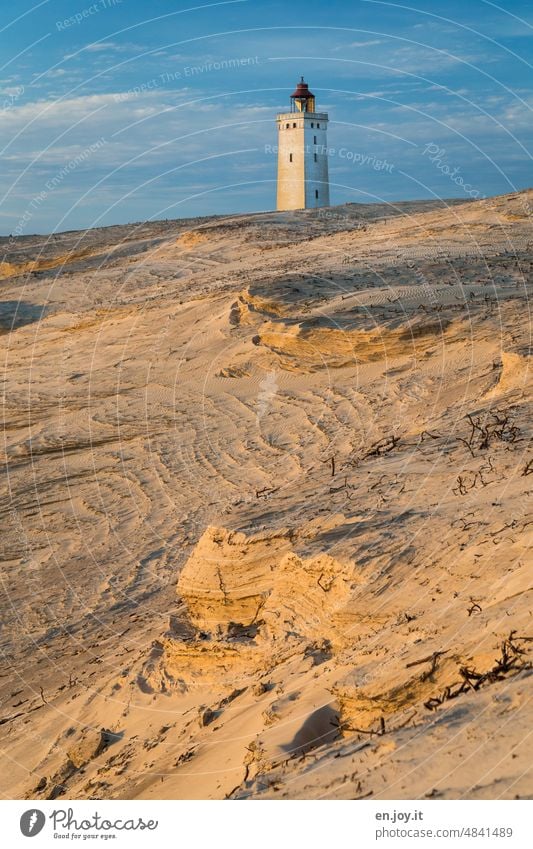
(267, 506)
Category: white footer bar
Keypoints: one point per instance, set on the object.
(269, 824)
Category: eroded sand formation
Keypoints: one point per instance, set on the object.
(266, 506)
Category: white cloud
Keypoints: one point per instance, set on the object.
(111, 46)
(53, 73)
(366, 43)
(55, 112)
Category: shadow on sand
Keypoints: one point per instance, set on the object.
(15, 314)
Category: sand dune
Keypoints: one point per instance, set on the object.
(266, 506)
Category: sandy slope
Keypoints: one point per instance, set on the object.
(266, 506)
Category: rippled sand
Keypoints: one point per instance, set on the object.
(266, 506)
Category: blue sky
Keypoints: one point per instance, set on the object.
(124, 111)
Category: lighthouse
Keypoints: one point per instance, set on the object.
(303, 181)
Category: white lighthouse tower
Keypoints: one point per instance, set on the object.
(303, 181)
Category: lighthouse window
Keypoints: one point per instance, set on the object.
(316, 194)
(318, 125)
(287, 127)
(294, 124)
(312, 124)
(290, 157)
(316, 158)
(315, 141)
